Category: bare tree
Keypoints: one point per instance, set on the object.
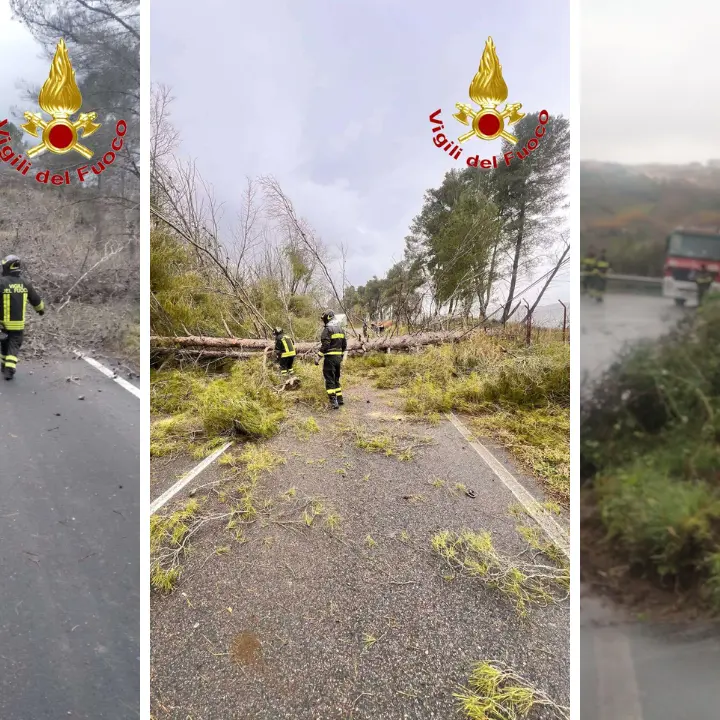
(281, 208)
(561, 261)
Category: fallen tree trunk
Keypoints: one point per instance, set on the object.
(198, 352)
(401, 342)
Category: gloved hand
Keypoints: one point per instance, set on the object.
(41, 312)
(344, 356)
(317, 361)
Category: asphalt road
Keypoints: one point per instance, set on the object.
(69, 544)
(630, 669)
(619, 320)
(307, 598)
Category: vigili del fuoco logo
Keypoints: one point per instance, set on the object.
(60, 98)
(488, 90)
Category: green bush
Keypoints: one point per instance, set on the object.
(174, 391)
(243, 402)
(650, 443)
(656, 517)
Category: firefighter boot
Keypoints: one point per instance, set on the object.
(334, 402)
(8, 373)
(339, 399)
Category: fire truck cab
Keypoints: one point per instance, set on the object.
(687, 250)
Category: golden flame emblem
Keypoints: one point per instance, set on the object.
(60, 98)
(488, 90)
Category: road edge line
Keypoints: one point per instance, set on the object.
(617, 687)
(156, 504)
(533, 508)
(109, 373)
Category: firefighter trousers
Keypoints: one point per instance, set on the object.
(331, 374)
(9, 349)
(286, 365)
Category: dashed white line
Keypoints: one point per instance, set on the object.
(183, 481)
(532, 507)
(109, 373)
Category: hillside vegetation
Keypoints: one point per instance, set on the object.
(631, 210)
(80, 243)
(82, 255)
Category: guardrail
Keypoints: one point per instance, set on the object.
(641, 279)
(639, 283)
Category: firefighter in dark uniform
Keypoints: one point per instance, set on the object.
(284, 352)
(704, 278)
(15, 293)
(588, 268)
(333, 346)
(602, 268)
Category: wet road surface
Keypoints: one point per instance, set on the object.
(69, 544)
(633, 670)
(608, 326)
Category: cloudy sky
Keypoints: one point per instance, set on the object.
(22, 62)
(333, 99)
(648, 90)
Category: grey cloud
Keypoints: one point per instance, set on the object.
(648, 90)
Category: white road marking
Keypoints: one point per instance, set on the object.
(618, 695)
(183, 481)
(532, 507)
(109, 373)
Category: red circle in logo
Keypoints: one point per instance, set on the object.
(489, 124)
(60, 136)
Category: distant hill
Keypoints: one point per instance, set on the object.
(630, 210)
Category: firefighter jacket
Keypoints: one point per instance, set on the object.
(704, 278)
(332, 341)
(284, 347)
(602, 267)
(14, 296)
(588, 265)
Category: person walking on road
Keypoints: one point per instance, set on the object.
(284, 352)
(600, 273)
(333, 346)
(588, 268)
(15, 292)
(704, 279)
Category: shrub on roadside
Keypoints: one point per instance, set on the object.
(651, 445)
(243, 402)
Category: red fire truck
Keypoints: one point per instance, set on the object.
(687, 250)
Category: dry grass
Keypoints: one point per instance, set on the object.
(524, 583)
(497, 692)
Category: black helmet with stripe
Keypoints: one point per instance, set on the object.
(11, 265)
(327, 316)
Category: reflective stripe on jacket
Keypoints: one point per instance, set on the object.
(285, 347)
(332, 341)
(602, 267)
(15, 293)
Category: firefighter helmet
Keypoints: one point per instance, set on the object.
(11, 265)
(327, 316)
(278, 331)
